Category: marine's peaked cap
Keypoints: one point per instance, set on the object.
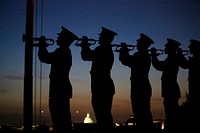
(67, 33)
(172, 42)
(194, 43)
(146, 38)
(108, 32)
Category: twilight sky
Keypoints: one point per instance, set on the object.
(159, 19)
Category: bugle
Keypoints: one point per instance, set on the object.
(119, 46)
(89, 41)
(158, 51)
(185, 52)
(36, 40)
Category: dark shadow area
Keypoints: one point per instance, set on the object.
(92, 128)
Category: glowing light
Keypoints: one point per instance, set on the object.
(88, 119)
(131, 121)
(130, 124)
(163, 125)
(117, 124)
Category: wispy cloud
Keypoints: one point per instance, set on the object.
(3, 90)
(19, 77)
(78, 80)
(12, 77)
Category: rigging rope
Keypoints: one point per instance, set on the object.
(35, 69)
(35, 65)
(41, 66)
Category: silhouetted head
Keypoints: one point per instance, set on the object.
(106, 36)
(171, 46)
(65, 37)
(194, 46)
(144, 42)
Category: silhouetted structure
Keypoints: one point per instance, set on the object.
(141, 90)
(60, 87)
(131, 121)
(102, 86)
(170, 88)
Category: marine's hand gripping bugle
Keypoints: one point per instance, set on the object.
(184, 52)
(85, 41)
(155, 52)
(124, 46)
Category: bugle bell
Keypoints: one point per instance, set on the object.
(89, 41)
(36, 40)
(119, 46)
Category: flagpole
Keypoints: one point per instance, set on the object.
(28, 69)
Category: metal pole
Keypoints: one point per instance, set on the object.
(28, 69)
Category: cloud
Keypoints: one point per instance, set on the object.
(12, 77)
(78, 80)
(3, 90)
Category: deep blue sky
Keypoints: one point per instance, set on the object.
(159, 19)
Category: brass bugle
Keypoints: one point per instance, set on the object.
(185, 52)
(36, 40)
(85, 38)
(118, 46)
(158, 51)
